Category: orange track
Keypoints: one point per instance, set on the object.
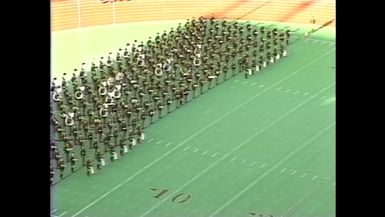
(65, 14)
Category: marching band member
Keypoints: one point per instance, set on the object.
(115, 98)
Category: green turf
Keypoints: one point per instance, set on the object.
(264, 145)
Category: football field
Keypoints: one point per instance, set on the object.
(262, 146)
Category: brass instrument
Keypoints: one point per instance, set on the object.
(197, 61)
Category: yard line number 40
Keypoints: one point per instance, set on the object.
(183, 197)
(179, 198)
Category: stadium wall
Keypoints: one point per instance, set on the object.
(72, 14)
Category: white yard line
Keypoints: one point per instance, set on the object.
(301, 199)
(245, 142)
(272, 168)
(198, 132)
(62, 214)
(207, 111)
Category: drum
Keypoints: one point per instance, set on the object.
(142, 136)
